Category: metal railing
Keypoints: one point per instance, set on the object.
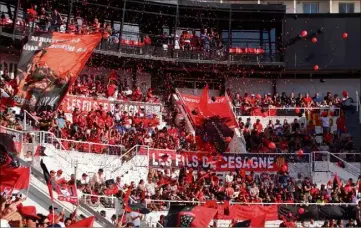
(99, 201)
(164, 205)
(286, 111)
(188, 120)
(160, 48)
(90, 147)
(76, 101)
(30, 122)
(126, 157)
(325, 156)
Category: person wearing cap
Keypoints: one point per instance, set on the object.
(59, 179)
(53, 217)
(29, 216)
(52, 175)
(98, 178)
(84, 179)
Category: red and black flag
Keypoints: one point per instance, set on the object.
(137, 207)
(259, 221)
(189, 216)
(47, 179)
(49, 64)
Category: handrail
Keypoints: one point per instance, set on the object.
(140, 103)
(88, 142)
(352, 169)
(123, 155)
(39, 176)
(301, 108)
(240, 203)
(27, 114)
(184, 112)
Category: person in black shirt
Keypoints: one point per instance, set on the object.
(295, 126)
(45, 123)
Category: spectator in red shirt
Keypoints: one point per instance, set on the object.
(258, 126)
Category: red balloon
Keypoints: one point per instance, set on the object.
(315, 67)
(284, 168)
(300, 152)
(345, 94)
(344, 35)
(228, 139)
(271, 145)
(314, 40)
(250, 161)
(303, 33)
(297, 110)
(301, 211)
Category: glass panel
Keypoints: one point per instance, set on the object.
(314, 7)
(342, 8)
(351, 8)
(310, 7)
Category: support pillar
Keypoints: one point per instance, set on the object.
(122, 24)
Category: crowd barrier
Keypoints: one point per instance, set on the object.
(288, 111)
(89, 147)
(164, 205)
(99, 201)
(331, 158)
(92, 103)
(160, 46)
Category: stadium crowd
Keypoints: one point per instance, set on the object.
(247, 104)
(130, 129)
(204, 185)
(14, 214)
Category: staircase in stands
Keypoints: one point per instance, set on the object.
(326, 165)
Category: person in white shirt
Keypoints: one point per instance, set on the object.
(254, 191)
(148, 140)
(98, 178)
(119, 183)
(135, 218)
(325, 119)
(127, 92)
(229, 178)
(84, 179)
(150, 187)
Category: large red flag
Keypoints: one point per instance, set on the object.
(258, 221)
(18, 179)
(203, 103)
(87, 222)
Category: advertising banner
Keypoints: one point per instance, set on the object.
(221, 163)
(88, 103)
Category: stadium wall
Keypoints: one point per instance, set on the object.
(311, 86)
(331, 52)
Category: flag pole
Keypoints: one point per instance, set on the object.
(27, 190)
(121, 218)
